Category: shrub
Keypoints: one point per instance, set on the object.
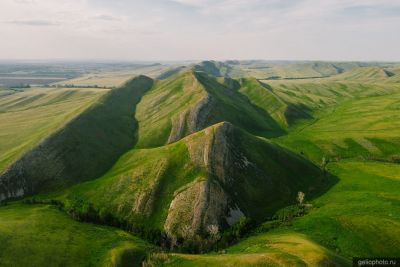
(288, 213)
(236, 231)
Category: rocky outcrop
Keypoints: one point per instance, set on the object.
(193, 120)
(195, 207)
(178, 130)
(199, 114)
(204, 202)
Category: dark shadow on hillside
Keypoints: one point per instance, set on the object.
(214, 68)
(83, 149)
(166, 74)
(328, 180)
(237, 109)
(295, 112)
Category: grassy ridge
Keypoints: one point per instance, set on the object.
(191, 101)
(162, 107)
(236, 108)
(276, 70)
(39, 112)
(40, 235)
(84, 148)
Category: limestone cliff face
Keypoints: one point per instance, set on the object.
(32, 170)
(195, 207)
(204, 202)
(193, 120)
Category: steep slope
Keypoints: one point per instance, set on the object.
(264, 96)
(232, 106)
(212, 177)
(168, 111)
(191, 101)
(39, 112)
(84, 148)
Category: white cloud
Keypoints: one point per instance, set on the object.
(186, 29)
(33, 22)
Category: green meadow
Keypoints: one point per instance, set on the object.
(41, 235)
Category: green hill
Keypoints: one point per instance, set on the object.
(39, 112)
(221, 171)
(265, 97)
(191, 101)
(272, 70)
(84, 148)
(359, 216)
(369, 74)
(354, 120)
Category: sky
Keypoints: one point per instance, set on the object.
(162, 30)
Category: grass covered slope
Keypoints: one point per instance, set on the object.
(39, 112)
(212, 177)
(39, 235)
(84, 148)
(366, 127)
(283, 111)
(168, 111)
(273, 70)
(370, 74)
(191, 101)
(268, 249)
(360, 215)
(228, 104)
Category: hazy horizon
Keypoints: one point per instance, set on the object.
(195, 30)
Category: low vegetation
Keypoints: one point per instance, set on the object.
(41, 235)
(209, 165)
